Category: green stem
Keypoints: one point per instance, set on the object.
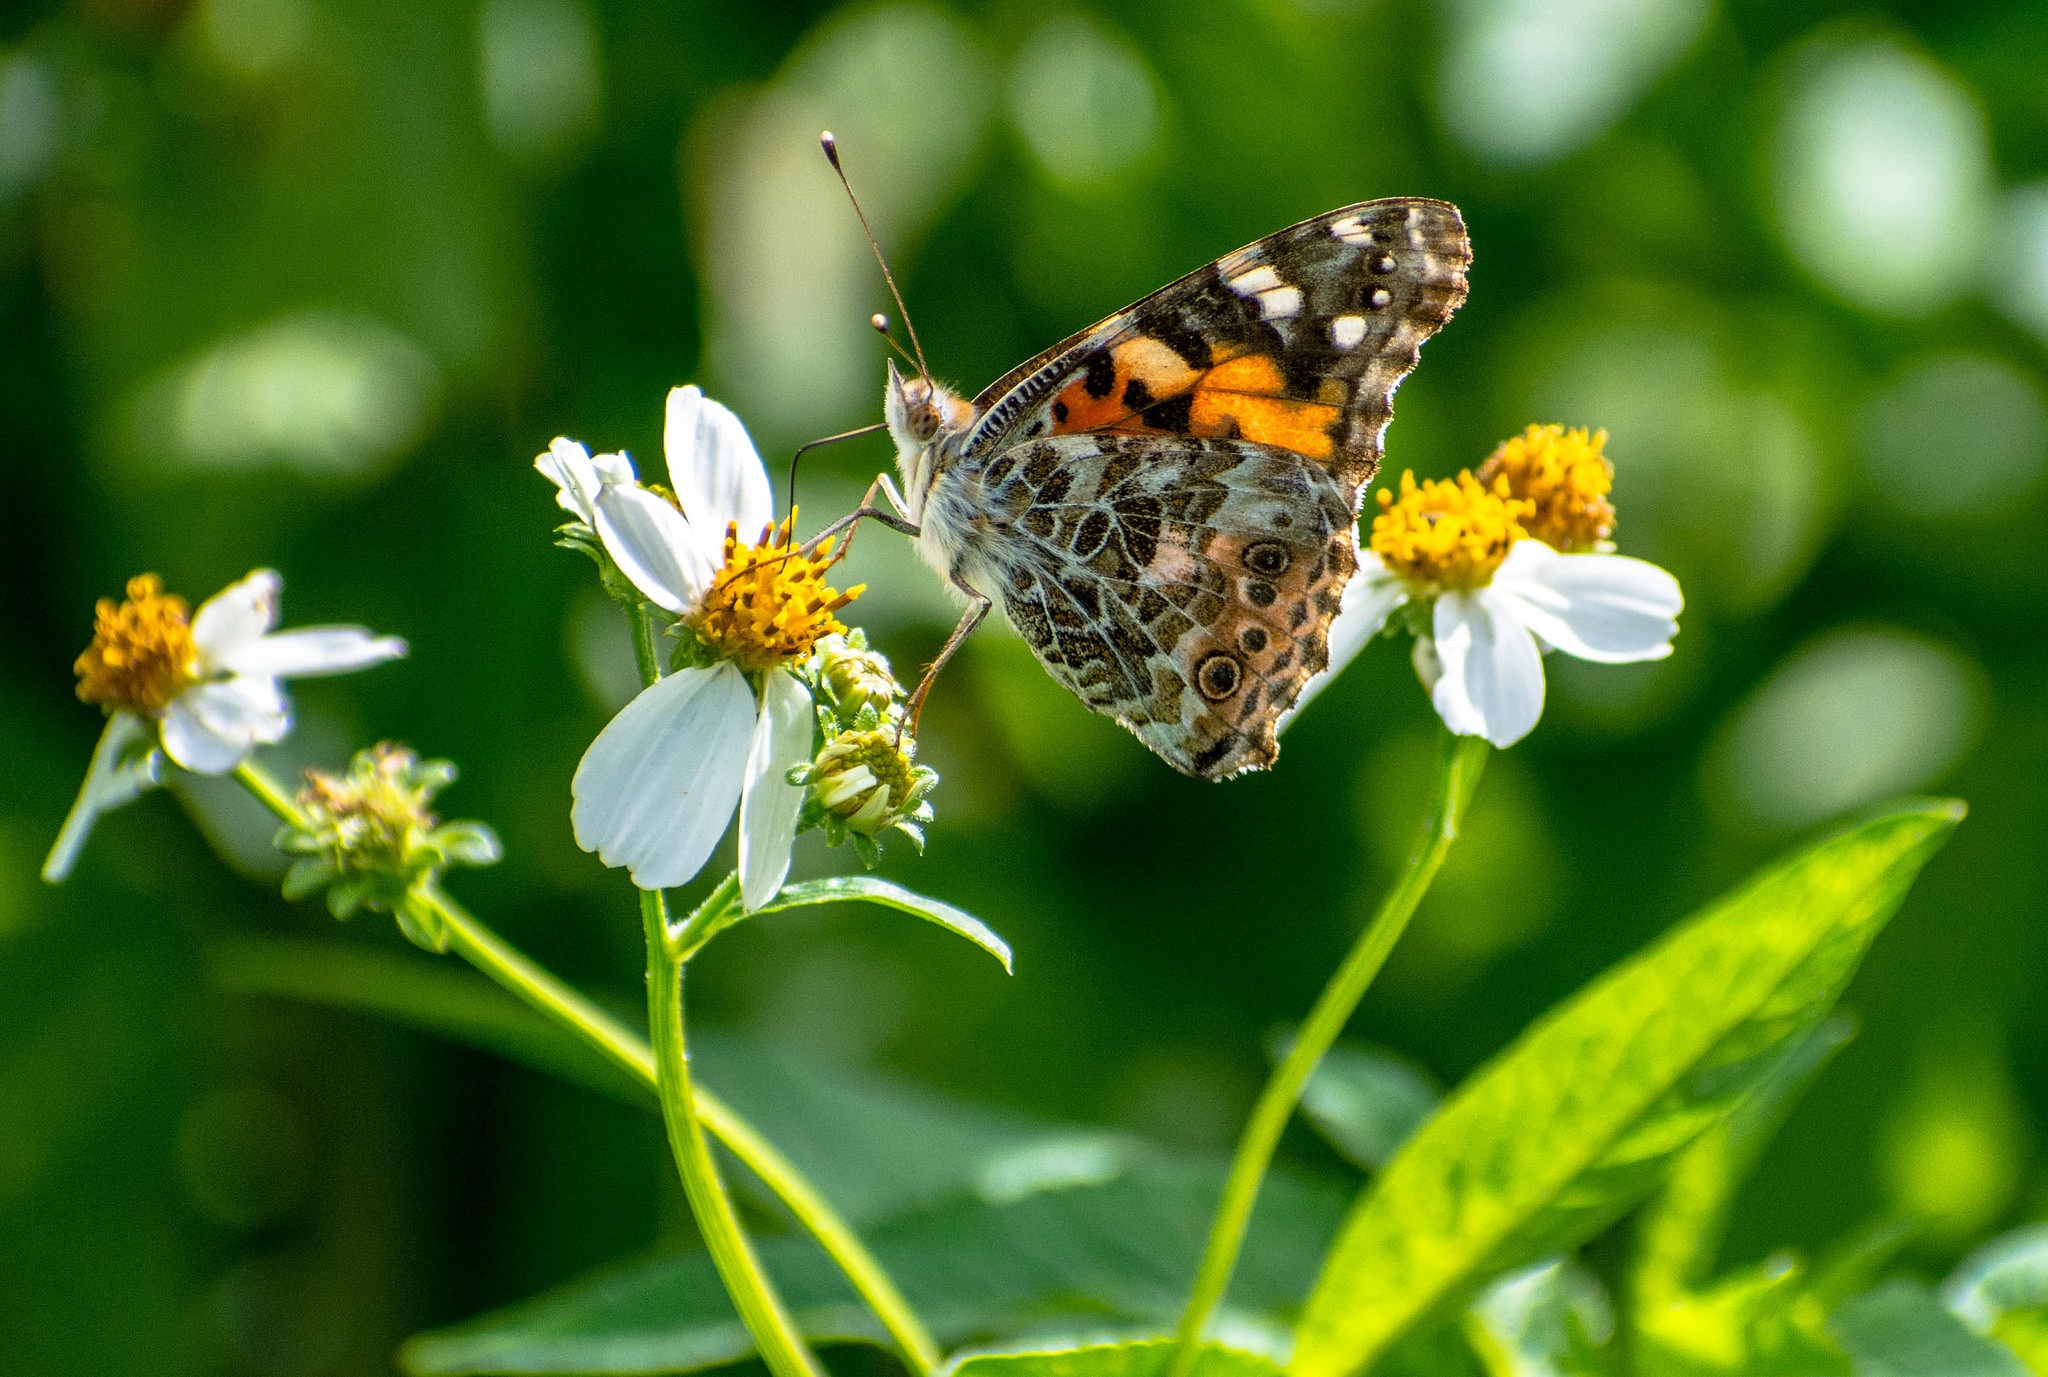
(775, 1333)
(1460, 762)
(572, 1010)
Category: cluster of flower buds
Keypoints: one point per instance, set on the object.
(370, 840)
(864, 780)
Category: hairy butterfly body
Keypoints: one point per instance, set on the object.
(1166, 502)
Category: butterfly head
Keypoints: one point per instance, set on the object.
(922, 415)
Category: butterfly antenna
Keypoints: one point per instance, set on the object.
(881, 324)
(831, 147)
(828, 440)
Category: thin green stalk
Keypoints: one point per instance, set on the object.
(575, 1012)
(1460, 761)
(775, 1333)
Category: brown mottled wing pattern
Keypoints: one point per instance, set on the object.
(1183, 586)
(1297, 341)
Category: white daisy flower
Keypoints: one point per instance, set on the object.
(1490, 596)
(655, 790)
(206, 686)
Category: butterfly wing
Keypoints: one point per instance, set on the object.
(1183, 586)
(1297, 341)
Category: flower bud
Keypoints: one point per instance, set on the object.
(370, 840)
(855, 677)
(863, 783)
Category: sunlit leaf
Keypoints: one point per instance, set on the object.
(1114, 1256)
(2002, 1290)
(1144, 1358)
(1581, 1116)
(1901, 1330)
(868, 889)
(1681, 1228)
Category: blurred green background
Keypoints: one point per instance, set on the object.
(306, 283)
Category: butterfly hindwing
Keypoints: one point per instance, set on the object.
(1183, 586)
(1297, 341)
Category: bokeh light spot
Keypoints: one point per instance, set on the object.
(1882, 176)
(1084, 101)
(1955, 433)
(538, 64)
(1850, 718)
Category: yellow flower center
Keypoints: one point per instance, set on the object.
(770, 604)
(1447, 533)
(1566, 478)
(142, 655)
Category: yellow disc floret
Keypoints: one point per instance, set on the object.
(770, 604)
(142, 655)
(867, 779)
(1565, 478)
(1447, 533)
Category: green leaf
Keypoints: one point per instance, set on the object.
(1579, 1118)
(1367, 1103)
(1144, 1358)
(431, 996)
(1116, 1255)
(2007, 1274)
(1548, 1320)
(849, 888)
(1901, 1330)
(1681, 1228)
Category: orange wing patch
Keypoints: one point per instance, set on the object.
(1142, 387)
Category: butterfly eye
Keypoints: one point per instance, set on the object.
(924, 421)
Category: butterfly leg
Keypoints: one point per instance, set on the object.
(868, 511)
(968, 621)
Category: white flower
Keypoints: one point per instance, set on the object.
(1482, 660)
(655, 790)
(580, 476)
(210, 684)
(237, 703)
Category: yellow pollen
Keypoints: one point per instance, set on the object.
(1447, 533)
(1565, 477)
(142, 655)
(770, 603)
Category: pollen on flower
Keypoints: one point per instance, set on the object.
(142, 654)
(770, 604)
(1565, 477)
(1447, 533)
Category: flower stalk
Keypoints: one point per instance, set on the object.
(576, 1013)
(1460, 761)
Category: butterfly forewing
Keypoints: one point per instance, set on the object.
(1296, 341)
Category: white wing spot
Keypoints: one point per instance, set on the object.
(1380, 297)
(1279, 303)
(1351, 229)
(1346, 332)
(1259, 279)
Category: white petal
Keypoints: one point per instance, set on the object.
(123, 766)
(236, 615)
(655, 546)
(656, 788)
(312, 650)
(567, 465)
(210, 728)
(713, 468)
(1492, 682)
(1369, 599)
(1608, 608)
(769, 807)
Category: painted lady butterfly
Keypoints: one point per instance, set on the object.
(1166, 503)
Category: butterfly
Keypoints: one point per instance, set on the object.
(1166, 502)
